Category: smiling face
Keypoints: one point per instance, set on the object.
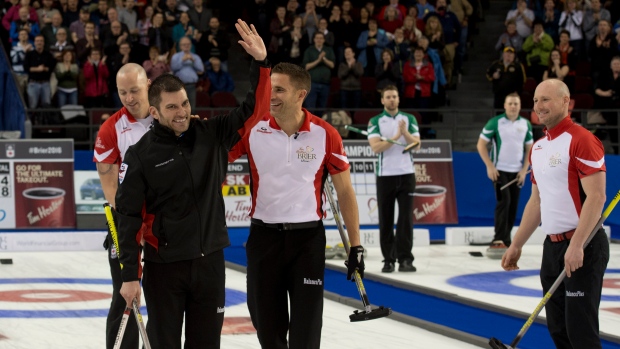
(286, 99)
(133, 92)
(173, 111)
(551, 100)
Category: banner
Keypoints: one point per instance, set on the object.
(434, 197)
(89, 196)
(36, 184)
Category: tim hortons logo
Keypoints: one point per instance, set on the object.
(306, 155)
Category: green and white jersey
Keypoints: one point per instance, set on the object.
(508, 140)
(392, 161)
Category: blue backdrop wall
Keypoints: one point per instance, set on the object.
(474, 193)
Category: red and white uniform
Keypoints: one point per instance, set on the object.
(292, 192)
(567, 153)
(116, 134)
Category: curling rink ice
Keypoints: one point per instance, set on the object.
(60, 299)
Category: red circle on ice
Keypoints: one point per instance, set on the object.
(51, 296)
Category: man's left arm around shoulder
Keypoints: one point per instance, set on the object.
(350, 215)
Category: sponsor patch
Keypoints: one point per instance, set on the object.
(113, 253)
(122, 171)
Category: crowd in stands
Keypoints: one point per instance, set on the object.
(68, 51)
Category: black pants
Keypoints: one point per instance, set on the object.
(399, 189)
(192, 288)
(117, 306)
(281, 262)
(572, 311)
(506, 208)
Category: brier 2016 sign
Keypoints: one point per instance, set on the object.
(434, 197)
(36, 184)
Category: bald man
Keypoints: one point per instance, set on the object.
(121, 130)
(568, 194)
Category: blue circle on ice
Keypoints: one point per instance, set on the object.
(500, 282)
(233, 297)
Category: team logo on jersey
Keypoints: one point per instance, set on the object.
(263, 130)
(113, 254)
(555, 160)
(121, 172)
(538, 147)
(99, 144)
(306, 155)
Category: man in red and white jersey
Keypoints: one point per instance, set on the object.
(291, 152)
(121, 130)
(568, 194)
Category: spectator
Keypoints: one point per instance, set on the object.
(388, 71)
(112, 17)
(88, 42)
(418, 76)
(434, 33)
(391, 21)
(200, 16)
(510, 38)
(401, 48)
(114, 38)
(424, 8)
(507, 75)
(187, 66)
(370, 44)
(156, 7)
(411, 32)
(220, 80)
(551, 19)
(184, 29)
(537, 46)
(319, 62)
(571, 20)
(348, 13)
(23, 22)
(100, 15)
(96, 76)
(71, 14)
(417, 22)
(323, 8)
(350, 72)
(602, 49)
(12, 14)
(215, 43)
(144, 24)
(435, 59)
(49, 31)
(401, 11)
(451, 33)
(567, 51)
(463, 10)
(556, 69)
(607, 92)
(128, 16)
(293, 9)
(78, 28)
(18, 57)
(280, 24)
(61, 44)
(361, 23)
(329, 36)
(295, 43)
(156, 64)
(67, 74)
(342, 39)
(310, 18)
(115, 61)
(46, 12)
(523, 16)
(159, 34)
(39, 64)
(591, 18)
(171, 15)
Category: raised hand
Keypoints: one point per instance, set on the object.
(251, 41)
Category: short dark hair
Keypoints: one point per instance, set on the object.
(389, 88)
(300, 78)
(163, 83)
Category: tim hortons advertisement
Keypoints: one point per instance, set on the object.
(434, 197)
(36, 184)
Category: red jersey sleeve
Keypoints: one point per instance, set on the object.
(336, 157)
(588, 154)
(106, 146)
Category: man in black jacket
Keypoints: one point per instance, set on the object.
(176, 172)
